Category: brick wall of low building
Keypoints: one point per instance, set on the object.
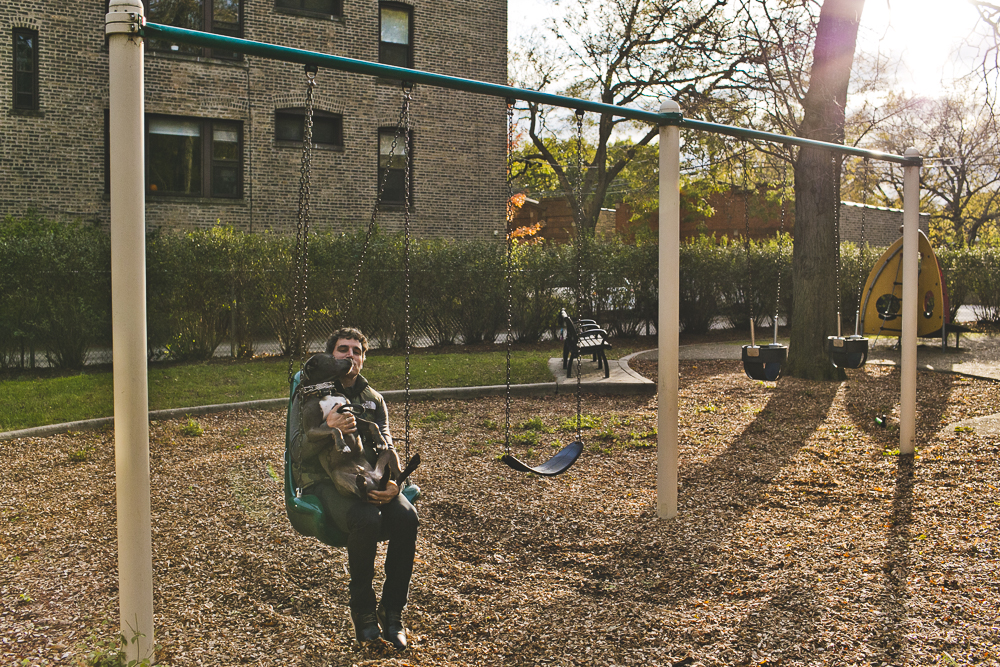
(54, 159)
(734, 213)
(882, 226)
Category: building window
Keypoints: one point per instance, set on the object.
(220, 17)
(328, 128)
(194, 157)
(396, 34)
(25, 69)
(393, 171)
(323, 8)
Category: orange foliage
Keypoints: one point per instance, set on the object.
(526, 235)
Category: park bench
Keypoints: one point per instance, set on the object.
(583, 337)
(949, 328)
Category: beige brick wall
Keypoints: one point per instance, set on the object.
(881, 225)
(53, 160)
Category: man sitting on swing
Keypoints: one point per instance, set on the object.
(384, 513)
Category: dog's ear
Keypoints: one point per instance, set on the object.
(309, 370)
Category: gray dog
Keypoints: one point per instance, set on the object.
(343, 457)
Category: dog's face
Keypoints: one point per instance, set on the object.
(323, 367)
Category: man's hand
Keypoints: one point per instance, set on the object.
(383, 497)
(342, 420)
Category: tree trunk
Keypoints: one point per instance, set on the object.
(814, 263)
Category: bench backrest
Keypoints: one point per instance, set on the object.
(567, 321)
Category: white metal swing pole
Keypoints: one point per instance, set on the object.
(911, 297)
(128, 326)
(668, 317)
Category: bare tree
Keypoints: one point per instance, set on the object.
(989, 15)
(622, 52)
(959, 138)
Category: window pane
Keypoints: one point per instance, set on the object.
(177, 13)
(396, 55)
(320, 6)
(385, 139)
(395, 25)
(225, 181)
(287, 126)
(24, 52)
(225, 11)
(395, 186)
(175, 126)
(327, 127)
(174, 164)
(225, 141)
(24, 84)
(326, 130)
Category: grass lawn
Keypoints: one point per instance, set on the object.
(27, 401)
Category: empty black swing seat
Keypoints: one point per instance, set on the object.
(763, 362)
(847, 351)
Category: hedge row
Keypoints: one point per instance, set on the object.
(210, 287)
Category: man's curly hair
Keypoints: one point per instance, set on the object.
(350, 333)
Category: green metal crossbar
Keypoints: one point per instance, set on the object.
(288, 54)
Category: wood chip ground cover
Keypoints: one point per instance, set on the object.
(802, 538)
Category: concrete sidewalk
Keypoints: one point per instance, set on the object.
(978, 357)
(621, 380)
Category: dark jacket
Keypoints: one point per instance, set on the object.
(306, 467)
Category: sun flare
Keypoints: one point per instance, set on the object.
(936, 41)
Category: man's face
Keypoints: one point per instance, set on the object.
(348, 348)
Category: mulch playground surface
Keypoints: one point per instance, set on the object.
(802, 537)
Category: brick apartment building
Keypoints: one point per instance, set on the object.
(223, 131)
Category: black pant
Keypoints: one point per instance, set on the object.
(366, 525)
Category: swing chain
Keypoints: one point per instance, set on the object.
(508, 264)
(834, 160)
(777, 260)
(404, 114)
(861, 247)
(579, 265)
(746, 246)
(405, 118)
(301, 257)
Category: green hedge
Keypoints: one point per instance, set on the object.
(220, 287)
(55, 291)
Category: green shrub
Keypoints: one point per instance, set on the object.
(751, 278)
(56, 290)
(985, 280)
(191, 292)
(958, 267)
(535, 299)
(856, 263)
(702, 269)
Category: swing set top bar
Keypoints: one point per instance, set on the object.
(288, 54)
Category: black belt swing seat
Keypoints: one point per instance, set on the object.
(567, 456)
